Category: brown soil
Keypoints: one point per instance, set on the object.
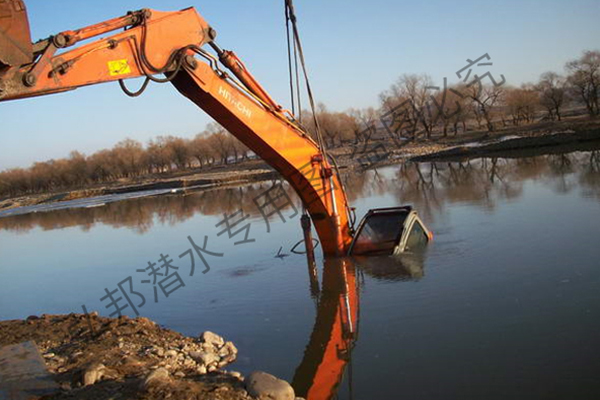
(129, 350)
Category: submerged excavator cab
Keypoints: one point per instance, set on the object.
(390, 231)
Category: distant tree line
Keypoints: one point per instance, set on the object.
(409, 108)
(127, 159)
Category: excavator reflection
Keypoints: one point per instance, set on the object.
(336, 329)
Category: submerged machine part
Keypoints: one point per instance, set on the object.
(390, 231)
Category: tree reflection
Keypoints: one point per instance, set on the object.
(430, 187)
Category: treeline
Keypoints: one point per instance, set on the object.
(127, 159)
(413, 106)
(409, 108)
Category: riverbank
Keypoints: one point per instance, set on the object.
(572, 135)
(93, 357)
(181, 182)
(351, 156)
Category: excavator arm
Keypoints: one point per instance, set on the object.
(168, 47)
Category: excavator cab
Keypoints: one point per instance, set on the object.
(15, 39)
(390, 231)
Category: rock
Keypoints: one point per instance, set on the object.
(201, 370)
(188, 362)
(212, 338)
(229, 359)
(265, 386)
(158, 375)
(171, 353)
(236, 374)
(49, 355)
(179, 374)
(93, 373)
(228, 349)
(204, 358)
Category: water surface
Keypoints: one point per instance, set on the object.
(504, 304)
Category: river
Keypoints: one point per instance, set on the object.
(503, 304)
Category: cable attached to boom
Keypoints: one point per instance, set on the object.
(291, 15)
(299, 53)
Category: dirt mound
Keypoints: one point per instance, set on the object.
(93, 357)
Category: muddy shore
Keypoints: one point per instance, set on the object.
(93, 357)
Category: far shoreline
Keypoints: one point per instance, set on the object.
(530, 140)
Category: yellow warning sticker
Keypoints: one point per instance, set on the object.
(118, 67)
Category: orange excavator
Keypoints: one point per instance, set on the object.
(169, 47)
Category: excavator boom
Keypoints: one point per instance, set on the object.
(169, 44)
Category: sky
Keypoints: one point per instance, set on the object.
(354, 51)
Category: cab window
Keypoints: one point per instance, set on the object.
(379, 234)
(417, 238)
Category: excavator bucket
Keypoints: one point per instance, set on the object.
(15, 39)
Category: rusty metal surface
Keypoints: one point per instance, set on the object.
(15, 38)
(23, 373)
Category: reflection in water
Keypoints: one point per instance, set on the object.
(140, 214)
(487, 182)
(402, 267)
(335, 332)
(427, 186)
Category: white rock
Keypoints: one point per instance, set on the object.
(212, 338)
(236, 374)
(93, 373)
(171, 353)
(204, 358)
(227, 349)
(188, 362)
(265, 386)
(159, 374)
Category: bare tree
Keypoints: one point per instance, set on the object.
(220, 141)
(521, 103)
(179, 151)
(336, 127)
(365, 122)
(484, 100)
(200, 149)
(159, 155)
(128, 155)
(451, 107)
(413, 92)
(584, 78)
(551, 89)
